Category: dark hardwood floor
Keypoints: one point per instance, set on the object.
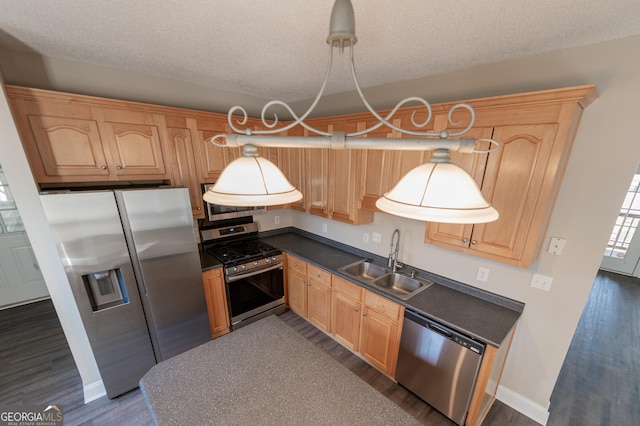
(598, 384)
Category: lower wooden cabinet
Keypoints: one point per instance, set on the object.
(366, 323)
(309, 292)
(346, 313)
(216, 296)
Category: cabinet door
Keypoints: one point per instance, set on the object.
(292, 165)
(379, 342)
(68, 147)
(316, 171)
(319, 304)
(184, 166)
(474, 164)
(134, 141)
(297, 292)
(346, 317)
(514, 182)
(216, 298)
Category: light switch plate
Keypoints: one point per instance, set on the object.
(377, 237)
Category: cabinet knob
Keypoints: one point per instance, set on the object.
(295, 264)
(218, 275)
(464, 240)
(364, 314)
(474, 242)
(103, 167)
(330, 210)
(317, 275)
(309, 283)
(356, 309)
(119, 167)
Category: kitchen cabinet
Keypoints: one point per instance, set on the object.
(216, 297)
(309, 292)
(381, 328)
(292, 166)
(367, 323)
(134, 140)
(522, 178)
(71, 138)
(334, 178)
(180, 138)
(346, 313)
(489, 376)
(511, 180)
(212, 159)
(297, 285)
(384, 168)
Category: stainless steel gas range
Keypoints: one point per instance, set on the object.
(253, 270)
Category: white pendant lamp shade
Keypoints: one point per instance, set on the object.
(438, 191)
(252, 181)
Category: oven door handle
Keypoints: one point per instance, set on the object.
(249, 274)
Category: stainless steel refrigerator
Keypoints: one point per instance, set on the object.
(132, 261)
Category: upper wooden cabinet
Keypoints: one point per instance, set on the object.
(69, 139)
(133, 138)
(179, 133)
(522, 178)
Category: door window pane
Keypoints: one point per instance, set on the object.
(10, 220)
(627, 221)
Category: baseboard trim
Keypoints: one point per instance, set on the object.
(525, 406)
(93, 391)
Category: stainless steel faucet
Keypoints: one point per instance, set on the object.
(393, 254)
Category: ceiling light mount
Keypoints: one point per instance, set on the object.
(342, 35)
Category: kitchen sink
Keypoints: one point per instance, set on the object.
(400, 285)
(395, 283)
(365, 269)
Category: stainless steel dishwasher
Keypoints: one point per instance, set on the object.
(438, 364)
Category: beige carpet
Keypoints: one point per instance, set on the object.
(263, 374)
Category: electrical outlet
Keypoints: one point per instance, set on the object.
(277, 219)
(556, 246)
(377, 237)
(365, 238)
(542, 282)
(483, 274)
(324, 228)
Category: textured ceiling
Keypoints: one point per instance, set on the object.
(277, 49)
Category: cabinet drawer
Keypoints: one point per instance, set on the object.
(297, 264)
(319, 275)
(348, 289)
(382, 305)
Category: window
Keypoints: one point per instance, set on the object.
(10, 220)
(627, 221)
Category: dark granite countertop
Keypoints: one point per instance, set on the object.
(482, 315)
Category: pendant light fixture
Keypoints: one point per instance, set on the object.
(437, 191)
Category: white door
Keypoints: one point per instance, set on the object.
(20, 277)
(623, 250)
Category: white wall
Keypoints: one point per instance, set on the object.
(604, 158)
(23, 187)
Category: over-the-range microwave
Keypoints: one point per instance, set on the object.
(219, 212)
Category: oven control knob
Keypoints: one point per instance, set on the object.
(244, 267)
(275, 259)
(256, 263)
(235, 269)
(267, 260)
